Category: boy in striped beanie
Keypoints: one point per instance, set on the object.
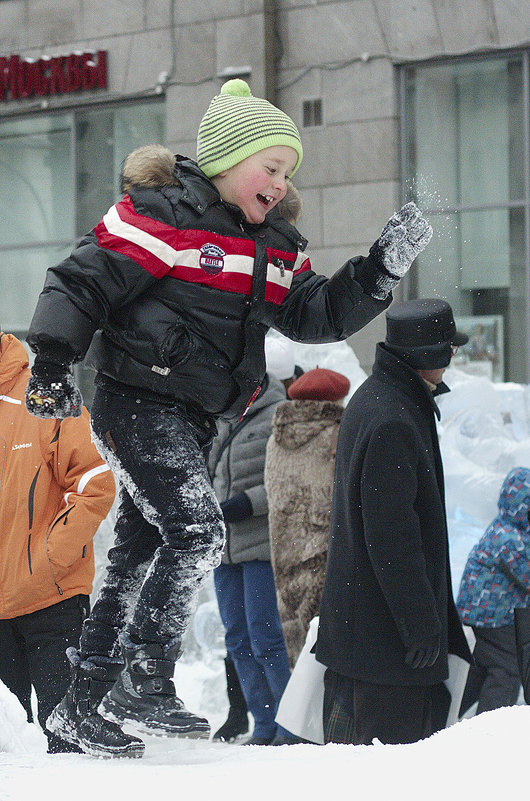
(173, 291)
(237, 125)
(249, 149)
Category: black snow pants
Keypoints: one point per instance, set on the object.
(33, 653)
(169, 530)
(495, 655)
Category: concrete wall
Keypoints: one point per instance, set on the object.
(343, 51)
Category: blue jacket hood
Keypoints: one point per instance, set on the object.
(514, 498)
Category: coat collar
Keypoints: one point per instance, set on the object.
(200, 193)
(388, 367)
(272, 391)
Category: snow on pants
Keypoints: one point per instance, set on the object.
(246, 595)
(169, 529)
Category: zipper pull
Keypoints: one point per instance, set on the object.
(279, 263)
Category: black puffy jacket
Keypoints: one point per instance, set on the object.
(176, 293)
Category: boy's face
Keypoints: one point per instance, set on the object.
(257, 183)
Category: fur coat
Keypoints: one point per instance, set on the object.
(298, 478)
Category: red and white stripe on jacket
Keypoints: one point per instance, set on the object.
(203, 257)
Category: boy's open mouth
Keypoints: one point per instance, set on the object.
(265, 199)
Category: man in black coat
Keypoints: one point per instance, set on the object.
(388, 618)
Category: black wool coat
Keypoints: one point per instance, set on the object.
(388, 582)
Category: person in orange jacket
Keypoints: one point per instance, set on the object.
(55, 490)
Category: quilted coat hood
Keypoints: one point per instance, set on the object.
(514, 498)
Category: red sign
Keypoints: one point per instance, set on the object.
(25, 77)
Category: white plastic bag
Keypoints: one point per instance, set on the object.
(301, 707)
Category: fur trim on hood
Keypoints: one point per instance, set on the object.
(150, 166)
(290, 207)
(153, 166)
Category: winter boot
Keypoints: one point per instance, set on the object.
(76, 720)
(144, 695)
(237, 720)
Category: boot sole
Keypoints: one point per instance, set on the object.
(114, 712)
(59, 725)
(235, 738)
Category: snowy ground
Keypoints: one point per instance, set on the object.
(471, 759)
(484, 432)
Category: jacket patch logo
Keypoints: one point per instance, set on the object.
(212, 258)
(22, 445)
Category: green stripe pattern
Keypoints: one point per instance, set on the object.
(236, 126)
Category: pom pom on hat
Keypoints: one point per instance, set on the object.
(237, 125)
(319, 384)
(236, 87)
(279, 357)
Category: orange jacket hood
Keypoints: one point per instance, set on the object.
(55, 489)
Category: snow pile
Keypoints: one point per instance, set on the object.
(16, 734)
(337, 356)
(484, 433)
(450, 764)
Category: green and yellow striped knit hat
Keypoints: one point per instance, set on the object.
(237, 125)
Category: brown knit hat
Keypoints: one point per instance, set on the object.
(319, 384)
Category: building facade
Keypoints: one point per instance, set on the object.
(395, 99)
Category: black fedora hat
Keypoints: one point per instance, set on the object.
(422, 332)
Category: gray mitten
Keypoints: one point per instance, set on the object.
(404, 236)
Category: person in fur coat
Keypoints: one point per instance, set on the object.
(299, 468)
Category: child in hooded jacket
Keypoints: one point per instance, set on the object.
(496, 580)
(173, 291)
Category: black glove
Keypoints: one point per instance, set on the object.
(403, 238)
(236, 508)
(423, 654)
(51, 390)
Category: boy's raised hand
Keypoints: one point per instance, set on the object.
(404, 236)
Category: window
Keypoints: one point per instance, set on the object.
(312, 112)
(465, 145)
(37, 200)
(59, 173)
